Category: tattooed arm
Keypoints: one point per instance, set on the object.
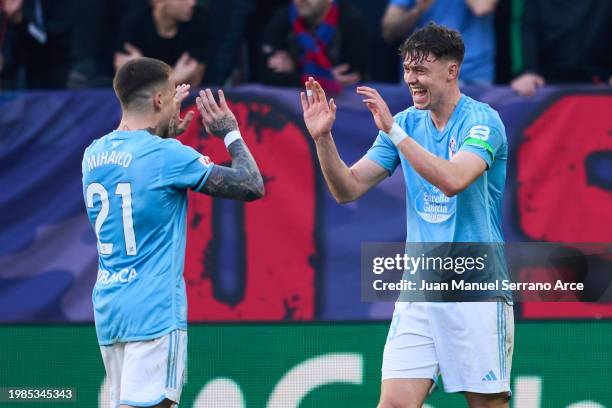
(243, 180)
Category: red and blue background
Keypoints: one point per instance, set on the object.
(294, 255)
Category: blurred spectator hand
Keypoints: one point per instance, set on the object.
(281, 62)
(130, 54)
(12, 8)
(526, 84)
(184, 69)
(340, 75)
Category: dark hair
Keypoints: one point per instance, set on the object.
(440, 41)
(136, 77)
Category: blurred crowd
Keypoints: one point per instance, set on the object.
(58, 44)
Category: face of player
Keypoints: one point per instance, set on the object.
(430, 81)
(311, 9)
(180, 10)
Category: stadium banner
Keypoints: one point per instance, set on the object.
(286, 365)
(294, 255)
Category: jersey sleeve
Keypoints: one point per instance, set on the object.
(483, 138)
(184, 167)
(384, 153)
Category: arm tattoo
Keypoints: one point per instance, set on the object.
(241, 182)
(223, 126)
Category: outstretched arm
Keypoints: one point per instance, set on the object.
(345, 183)
(243, 180)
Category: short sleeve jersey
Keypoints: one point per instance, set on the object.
(135, 189)
(474, 215)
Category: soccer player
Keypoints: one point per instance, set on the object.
(453, 151)
(135, 182)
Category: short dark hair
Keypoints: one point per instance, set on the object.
(440, 41)
(138, 76)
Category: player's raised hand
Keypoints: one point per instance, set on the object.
(178, 125)
(319, 114)
(377, 105)
(217, 119)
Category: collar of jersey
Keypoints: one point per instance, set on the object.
(439, 134)
(128, 133)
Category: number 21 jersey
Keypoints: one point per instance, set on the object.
(135, 189)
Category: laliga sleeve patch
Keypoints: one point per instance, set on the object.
(480, 132)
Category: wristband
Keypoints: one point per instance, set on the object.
(231, 137)
(397, 134)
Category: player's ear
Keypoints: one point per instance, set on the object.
(453, 71)
(158, 100)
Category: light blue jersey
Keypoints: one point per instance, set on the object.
(135, 189)
(474, 215)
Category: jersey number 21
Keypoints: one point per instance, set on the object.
(125, 191)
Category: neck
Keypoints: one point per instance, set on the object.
(443, 111)
(166, 26)
(138, 122)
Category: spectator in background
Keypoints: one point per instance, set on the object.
(174, 31)
(93, 45)
(325, 39)
(565, 41)
(40, 33)
(472, 18)
(257, 21)
(229, 20)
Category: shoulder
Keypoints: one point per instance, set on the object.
(174, 149)
(168, 144)
(475, 113)
(92, 146)
(97, 143)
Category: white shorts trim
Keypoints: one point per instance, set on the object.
(144, 373)
(469, 343)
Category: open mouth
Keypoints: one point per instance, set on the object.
(419, 95)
